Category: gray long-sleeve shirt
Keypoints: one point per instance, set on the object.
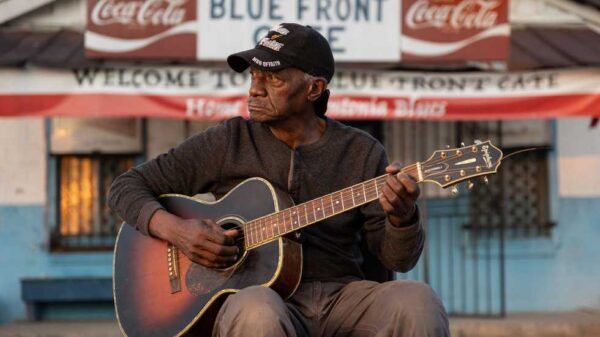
(223, 156)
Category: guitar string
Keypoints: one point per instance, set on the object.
(260, 230)
(254, 224)
(289, 217)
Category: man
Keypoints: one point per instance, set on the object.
(290, 142)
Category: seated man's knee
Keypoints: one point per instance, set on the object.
(253, 305)
(417, 308)
(413, 298)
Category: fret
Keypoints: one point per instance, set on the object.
(376, 188)
(369, 196)
(352, 193)
(364, 192)
(322, 208)
(269, 226)
(305, 214)
(347, 191)
(294, 221)
(314, 216)
(342, 199)
(336, 204)
(275, 224)
(327, 204)
(289, 216)
(358, 194)
(254, 232)
(247, 238)
(247, 233)
(283, 221)
(299, 216)
(266, 229)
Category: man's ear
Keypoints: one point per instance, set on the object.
(316, 89)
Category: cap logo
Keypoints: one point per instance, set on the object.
(266, 42)
(266, 64)
(280, 29)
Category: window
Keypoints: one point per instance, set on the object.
(86, 155)
(84, 220)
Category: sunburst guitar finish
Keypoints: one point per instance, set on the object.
(159, 292)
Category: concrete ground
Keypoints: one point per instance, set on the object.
(583, 323)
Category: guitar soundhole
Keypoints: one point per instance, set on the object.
(239, 240)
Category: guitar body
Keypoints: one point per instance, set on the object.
(155, 299)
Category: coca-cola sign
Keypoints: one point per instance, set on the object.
(141, 13)
(358, 31)
(455, 30)
(468, 14)
(141, 28)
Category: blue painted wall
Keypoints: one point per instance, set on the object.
(556, 273)
(561, 273)
(24, 253)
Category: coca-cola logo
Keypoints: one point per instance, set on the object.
(467, 14)
(140, 12)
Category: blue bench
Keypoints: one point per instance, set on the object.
(41, 294)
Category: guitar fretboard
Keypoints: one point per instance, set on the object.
(268, 228)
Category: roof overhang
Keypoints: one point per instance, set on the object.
(11, 9)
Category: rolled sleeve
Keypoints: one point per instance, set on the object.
(146, 213)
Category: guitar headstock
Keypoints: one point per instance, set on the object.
(451, 166)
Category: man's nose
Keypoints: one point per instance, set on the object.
(257, 87)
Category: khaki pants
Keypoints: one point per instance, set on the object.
(328, 309)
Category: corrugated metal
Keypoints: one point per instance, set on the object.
(530, 48)
(554, 48)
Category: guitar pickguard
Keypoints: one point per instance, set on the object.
(201, 280)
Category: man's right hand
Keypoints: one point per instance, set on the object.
(202, 241)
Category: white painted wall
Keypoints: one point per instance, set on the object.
(163, 134)
(578, 158)
(22, 161)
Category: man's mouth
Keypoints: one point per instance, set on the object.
(256, 107)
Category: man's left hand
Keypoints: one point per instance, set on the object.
(399, 196)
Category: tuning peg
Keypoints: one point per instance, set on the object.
(470, 184)
(477, 141)
(485, 180)
(447, 146)
(454, 190)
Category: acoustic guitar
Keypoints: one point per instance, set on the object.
(159, 292)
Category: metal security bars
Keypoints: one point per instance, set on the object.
(465, 270)
(465, 252)
(84, 220)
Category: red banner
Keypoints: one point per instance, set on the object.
(214, 94)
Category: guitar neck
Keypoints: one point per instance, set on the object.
(270, 227)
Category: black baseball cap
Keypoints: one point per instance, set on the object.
(288, 45)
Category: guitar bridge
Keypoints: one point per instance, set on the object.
(173, 266)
